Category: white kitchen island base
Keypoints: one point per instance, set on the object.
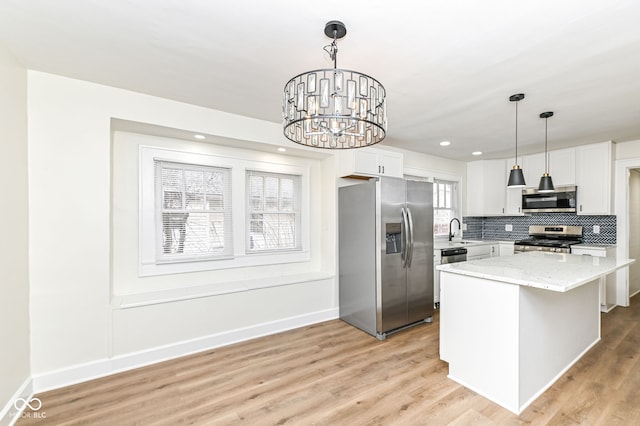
(509, 343)
(511, 326)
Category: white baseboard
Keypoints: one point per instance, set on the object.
(104, 367)
(10, 414)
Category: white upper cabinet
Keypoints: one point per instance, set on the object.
(533, 168)
(487, 192)
(366, 162)
(562, 166)
(593, 178)
(588, 166)
(495, 187)
(475, 189)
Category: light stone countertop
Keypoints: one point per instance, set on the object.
(551, 271)
(587, 246)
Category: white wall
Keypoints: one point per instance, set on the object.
(76, 331)
(14, 277)
(436, 165)
(625, 150)
(201, 314)
(79, 329)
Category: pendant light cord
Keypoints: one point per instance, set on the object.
(546, 155)
(516, 132)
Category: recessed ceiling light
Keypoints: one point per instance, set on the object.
(281, 149)
(476, 153)
(199, 136)
(445, 143)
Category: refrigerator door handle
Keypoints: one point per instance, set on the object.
(405, 231)
(410, 249)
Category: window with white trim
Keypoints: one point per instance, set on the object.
(445, 196)
(198, 211)
(193, 212)
(273, 217)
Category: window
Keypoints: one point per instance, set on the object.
(445, 196)
(273, 217)
(193, 212)
(203, 212)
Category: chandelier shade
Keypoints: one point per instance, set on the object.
(334, 108)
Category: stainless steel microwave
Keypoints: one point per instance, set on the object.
(562, 200)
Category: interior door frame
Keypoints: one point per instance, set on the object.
(622, 170)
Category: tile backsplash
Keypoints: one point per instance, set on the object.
(493, 228)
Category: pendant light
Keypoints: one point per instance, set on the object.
(334, 108)
(546, 184)
(516, 178)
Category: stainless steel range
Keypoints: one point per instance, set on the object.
(553, 238)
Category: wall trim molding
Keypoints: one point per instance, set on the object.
(108, 366)
(9, 414)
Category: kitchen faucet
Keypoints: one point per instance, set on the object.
(459, 227)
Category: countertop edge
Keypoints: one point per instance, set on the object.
(450, 268)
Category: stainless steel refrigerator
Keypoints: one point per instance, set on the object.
(386, 254)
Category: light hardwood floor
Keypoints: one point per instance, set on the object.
(334, 374)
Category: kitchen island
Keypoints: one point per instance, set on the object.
(511, 326)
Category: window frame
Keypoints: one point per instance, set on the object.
(454, 199)
(240, 257)
(295, 210)
(226, 211)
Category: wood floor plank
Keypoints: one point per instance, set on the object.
(334, 374)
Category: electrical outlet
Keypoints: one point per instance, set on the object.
(508, 228)
(596, 229)
(464, 226)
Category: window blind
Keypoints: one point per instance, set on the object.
(273, 217)
(193, 212)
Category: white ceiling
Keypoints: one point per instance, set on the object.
(449, 67)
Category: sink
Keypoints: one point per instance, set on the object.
(464, 242)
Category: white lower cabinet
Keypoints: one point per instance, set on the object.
(479, 252)
(505, 249)
(608, 283)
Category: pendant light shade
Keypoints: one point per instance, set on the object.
(546, 183)
(516, 177)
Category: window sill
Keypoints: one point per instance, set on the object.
(128, 301)
(150, 268)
